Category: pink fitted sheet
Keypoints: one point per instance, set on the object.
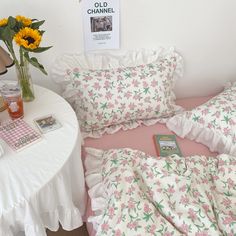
(141, 138)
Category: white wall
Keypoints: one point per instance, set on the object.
(204, 32)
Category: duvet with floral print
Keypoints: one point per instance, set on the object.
(142, 195)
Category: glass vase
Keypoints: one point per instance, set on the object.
(25, 82)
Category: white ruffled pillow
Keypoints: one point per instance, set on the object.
(110, 99)
(212, 124)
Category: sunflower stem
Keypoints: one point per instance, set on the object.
(21, 57)
(24, 78)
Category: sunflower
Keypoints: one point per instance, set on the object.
(26, 21)
(3, 22)
(28, 38)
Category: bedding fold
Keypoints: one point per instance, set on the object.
(141, 195)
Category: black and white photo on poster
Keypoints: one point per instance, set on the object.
(101, 24)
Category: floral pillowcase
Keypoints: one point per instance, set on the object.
(212, 124)
(108, 100)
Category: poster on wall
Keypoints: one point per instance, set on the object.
(101, 24)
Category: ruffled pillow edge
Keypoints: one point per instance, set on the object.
(213, 139)
(112, 60)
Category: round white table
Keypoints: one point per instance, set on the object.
(43, 184)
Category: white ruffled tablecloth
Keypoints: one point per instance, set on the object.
(43, 184)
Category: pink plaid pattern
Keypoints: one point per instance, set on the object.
(18, 134)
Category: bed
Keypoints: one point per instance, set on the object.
(145, 143)
(194, 194)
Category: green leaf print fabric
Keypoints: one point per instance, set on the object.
(136, 194)
(212, 123)
(108, 100)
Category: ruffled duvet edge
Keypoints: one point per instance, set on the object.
(97, 193)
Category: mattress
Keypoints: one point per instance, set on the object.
(141, 139)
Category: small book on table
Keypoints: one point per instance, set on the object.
(18, 134)
(47, 123)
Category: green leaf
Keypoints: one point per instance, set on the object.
(147, 216)
(41, 32)
(37, 50)
(128, 75)
(159, 206)
(228, 194)
(19, 25)
(1, 32)
(104, 105)
(226, 119)
(146, 90)
(213, 225)
(196, 118)
(114, 161)
(36, 25)
(34, 62)
(11, 22)
(7, 35)
(168, 166)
